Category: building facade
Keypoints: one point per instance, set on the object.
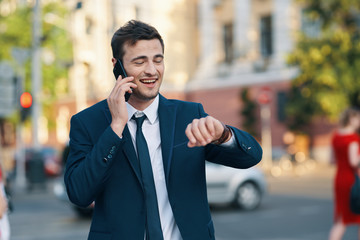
(243, 44)
(214, 49)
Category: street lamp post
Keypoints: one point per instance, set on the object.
(36, 75)
(21, 55)
(264, 99)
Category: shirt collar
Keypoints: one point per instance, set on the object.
(151, 111)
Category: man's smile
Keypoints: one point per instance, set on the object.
(148, 81)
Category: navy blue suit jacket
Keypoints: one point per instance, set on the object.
(102, 167)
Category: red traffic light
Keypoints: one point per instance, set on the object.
(26, 100)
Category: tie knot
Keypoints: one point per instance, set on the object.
(139, 119)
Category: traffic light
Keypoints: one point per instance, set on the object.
(25, 105)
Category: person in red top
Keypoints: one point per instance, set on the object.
(4, 220)
(345, 145)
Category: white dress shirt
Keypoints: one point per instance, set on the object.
(151, 131)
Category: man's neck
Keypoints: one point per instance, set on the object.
(140, 104)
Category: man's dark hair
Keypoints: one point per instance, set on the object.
(130, 33)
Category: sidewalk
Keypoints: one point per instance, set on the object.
(316, 181)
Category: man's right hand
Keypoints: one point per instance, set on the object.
(117, 106)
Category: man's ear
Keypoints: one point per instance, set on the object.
(113, 60)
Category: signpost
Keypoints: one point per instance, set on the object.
(21, 55)
(7, 89)
(264, 99)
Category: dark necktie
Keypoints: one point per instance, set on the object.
(153, 225)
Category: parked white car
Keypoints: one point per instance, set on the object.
(243, 188)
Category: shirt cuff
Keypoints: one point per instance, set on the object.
(231, 143)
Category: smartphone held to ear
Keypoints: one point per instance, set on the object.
(119, 70)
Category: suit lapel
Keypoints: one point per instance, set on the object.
(128, 148)
(167, 118)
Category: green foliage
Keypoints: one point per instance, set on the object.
(329, 64)
(248, 112)
(16, 31)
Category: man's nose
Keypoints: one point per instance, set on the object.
(150, 69)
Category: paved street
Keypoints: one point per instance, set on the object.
(40, 216)
(280, 218)
(296, 208)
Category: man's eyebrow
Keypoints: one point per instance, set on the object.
(137, 58)
(159, 55)
(145, 57)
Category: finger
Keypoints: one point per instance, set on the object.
(195, 129)
(127, 87)
(210, 125)
(190, 136)
(118, 84)
(132, 86)
(121, 82)
(193, 142)
(122, 86)
(219, 128)
(203, 128)
(128, 79)
(119, 78)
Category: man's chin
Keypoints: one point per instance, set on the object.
(147, 97)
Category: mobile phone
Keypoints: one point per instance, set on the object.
(119, 70)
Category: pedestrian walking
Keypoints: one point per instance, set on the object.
(345, 145)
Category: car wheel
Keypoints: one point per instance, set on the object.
(248, 196)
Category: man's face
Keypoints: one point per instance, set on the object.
(145, 62)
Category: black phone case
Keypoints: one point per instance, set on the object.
(119, 70)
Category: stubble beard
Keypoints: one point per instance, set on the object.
(144, 97)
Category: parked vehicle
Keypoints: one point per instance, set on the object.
(242, 188)
(51, 158)
(46, 158)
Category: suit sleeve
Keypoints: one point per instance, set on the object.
(88, 162)
(246, 153)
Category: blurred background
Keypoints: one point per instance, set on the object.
(282, 70)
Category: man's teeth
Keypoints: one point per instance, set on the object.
(148, 81)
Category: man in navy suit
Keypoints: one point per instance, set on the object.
(147, 177)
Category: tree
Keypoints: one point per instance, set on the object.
(328, 62)
(248, 112)
(15, 30)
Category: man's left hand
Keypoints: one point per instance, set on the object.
(203, 131)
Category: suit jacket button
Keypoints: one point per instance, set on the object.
(105, 160)
(109, 156)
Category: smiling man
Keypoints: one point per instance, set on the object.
(143, 161)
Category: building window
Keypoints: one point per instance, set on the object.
(281, 105)
(78, 5)
(266, 48)
(88, 25)
(228, 42)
